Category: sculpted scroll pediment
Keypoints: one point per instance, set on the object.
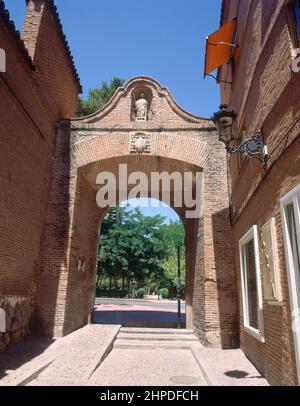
(142, 100)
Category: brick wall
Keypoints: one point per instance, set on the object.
(265, 94)
(100, 142)
(56, 75)
(27, 133)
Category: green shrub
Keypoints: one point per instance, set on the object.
(164, 293)
(114, 293)
(140, 293)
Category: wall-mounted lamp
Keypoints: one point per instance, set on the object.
(254, 147)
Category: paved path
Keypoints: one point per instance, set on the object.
(137, 313)
(149, 357)
(71, 357)
(229, 367)
(156, 367)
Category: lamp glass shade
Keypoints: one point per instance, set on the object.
(224, 120)
(225, 133)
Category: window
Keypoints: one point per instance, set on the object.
(290, 211)
(251, 284)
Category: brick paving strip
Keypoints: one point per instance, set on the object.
(68, 361)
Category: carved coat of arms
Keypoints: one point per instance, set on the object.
(140, 143)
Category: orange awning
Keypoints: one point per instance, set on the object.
(219, 47)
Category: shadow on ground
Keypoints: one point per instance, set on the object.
(133, 318)
(241, 375)
(21, 353)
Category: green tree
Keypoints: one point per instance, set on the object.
(114, 216)
(174, 237)
(140, 250)
(98, 97)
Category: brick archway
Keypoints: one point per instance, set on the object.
(178, 141)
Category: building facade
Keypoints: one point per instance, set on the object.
(243, 266)
(38, 88)
(49, 166)
(261, 83)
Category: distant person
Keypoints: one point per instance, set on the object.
(158, 294)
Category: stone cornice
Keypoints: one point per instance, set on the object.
(149, 126)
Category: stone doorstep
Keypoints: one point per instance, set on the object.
(158, 337)
(151, 325)
(155, 338)
(128, 330)
(152, 345)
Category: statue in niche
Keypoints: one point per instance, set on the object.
(141, 108)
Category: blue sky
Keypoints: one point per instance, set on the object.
(164, 39)
(152, 207)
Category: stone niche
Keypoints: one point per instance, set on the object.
(16, 313)
(141, 104)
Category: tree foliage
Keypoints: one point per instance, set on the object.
(139, 250)
(99, 97)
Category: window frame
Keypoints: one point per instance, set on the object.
(252, 234)
(292, 198)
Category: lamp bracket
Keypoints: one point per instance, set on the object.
(254, 147)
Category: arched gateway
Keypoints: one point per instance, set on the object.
(143, 128)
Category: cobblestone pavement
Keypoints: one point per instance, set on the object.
(21, 357)
(72, 357)
(157, 367)
(75, 357)
(160, 357)
(176, 368)
(230, 367)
